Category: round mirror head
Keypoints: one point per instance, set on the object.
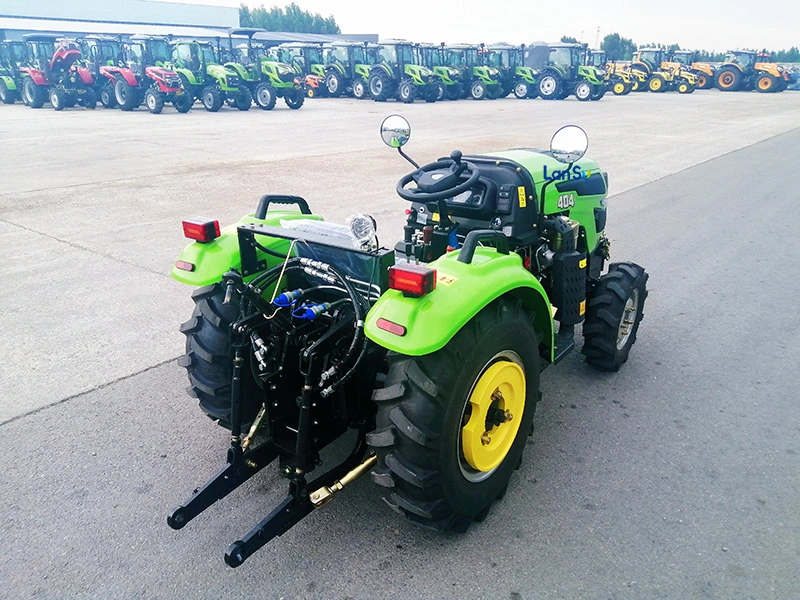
(569, 144)
(395, 131)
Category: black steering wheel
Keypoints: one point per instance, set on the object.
(439, 180)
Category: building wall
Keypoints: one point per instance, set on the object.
(125, 11)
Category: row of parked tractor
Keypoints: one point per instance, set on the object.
(242, 68)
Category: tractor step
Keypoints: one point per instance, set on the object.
(564, 342)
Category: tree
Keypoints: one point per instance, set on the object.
(292, 18)
(618, 48)
(566, 39)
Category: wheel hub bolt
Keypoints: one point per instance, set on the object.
(485, 439)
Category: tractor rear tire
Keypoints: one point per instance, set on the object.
(334, 84)
(294, 98)
(704, 82)
(154, 101)
(583, 91)
(533, 91)
(435, 92)
(477, 90)
(657, 84)
(613, 316)
(438, 413)
(212, 98)
(58, 99)
(406, 91)
(522, 90)
(551, 86)
(380, 86)
(7, 96)
(107, 97)
(729, 79)
(767, 84)
(244, 99)
(455, 91)
(32, 94)
(127, 97)
(266, 96)
(495, 91)
(209, 357)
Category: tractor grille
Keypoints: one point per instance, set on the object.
(233, 81)
(173, 82)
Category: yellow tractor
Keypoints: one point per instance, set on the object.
(650, 62)
(704, 72)
(617, 78)
(745, 70)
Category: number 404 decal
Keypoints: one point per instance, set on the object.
(566, 201)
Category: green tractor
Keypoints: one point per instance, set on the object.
(435, 58)
(514, 74)
(480, 81)
(398, 72)
(347, 68)
(267, 77)
(205, 79)
(12, 57)
(426, 357)
(308, 61)
(567, 74)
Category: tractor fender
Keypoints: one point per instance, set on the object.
(37, 76)
(109, 72)
(128, 76)
(462, 291)
(211, 260)
(86, 75)
(10, 85)
(770, 68)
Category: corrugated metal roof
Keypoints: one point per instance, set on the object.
(19, 26)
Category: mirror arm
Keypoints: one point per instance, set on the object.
(407, 157)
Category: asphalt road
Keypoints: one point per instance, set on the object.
(675, 478)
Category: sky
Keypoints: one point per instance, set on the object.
(711, 25)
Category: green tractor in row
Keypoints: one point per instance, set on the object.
(12, 58)
(309, 62)
(398, 72)
(426, 357)
(480, 81)
(205, 79)
(566, 73)
(435, 58)
(515, 75)
(266, 77)
(348, 68)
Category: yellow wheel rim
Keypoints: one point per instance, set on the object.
(764, 83)
(619, 88)
(683, 87)
(493, 415)
(655, 84)
(726, 80)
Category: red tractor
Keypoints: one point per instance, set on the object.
(142, 77)
(53, 72)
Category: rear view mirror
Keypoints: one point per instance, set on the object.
(569, 144)
(395, 131)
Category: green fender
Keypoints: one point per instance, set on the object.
(9, 83)
(212, 260)
(242, 71)
(462, 290)
(221, 74)
(192, 77)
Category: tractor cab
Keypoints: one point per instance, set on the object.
(462, 56)
(596, 58)
(147, 50)
(648, 59)
(12, 55)
(306, 59)
(39, 50)
(744, 58)
(683, 57)
(567, 58)
(99, 50)
(188, 55)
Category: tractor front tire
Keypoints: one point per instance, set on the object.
(521, 90)
(767, 83)
(33, 95)
(107, 97)
(209, 357)
(454, 92)
(435, 92)
(583, 91)
(154, 101)
(380, 87)
(613, 316)
(266, 96)
(598, 91)
(58, 99)
(551, 86)
(619, 87)
(477, 90)
(126, 96)
(452, 425)
(406, 91)
(212, 98)
(183, 103)
(294, 99)
(244, 99)
(729, 79)
(334, 84)
(89, 99)
(657, 84)
(359, 89)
